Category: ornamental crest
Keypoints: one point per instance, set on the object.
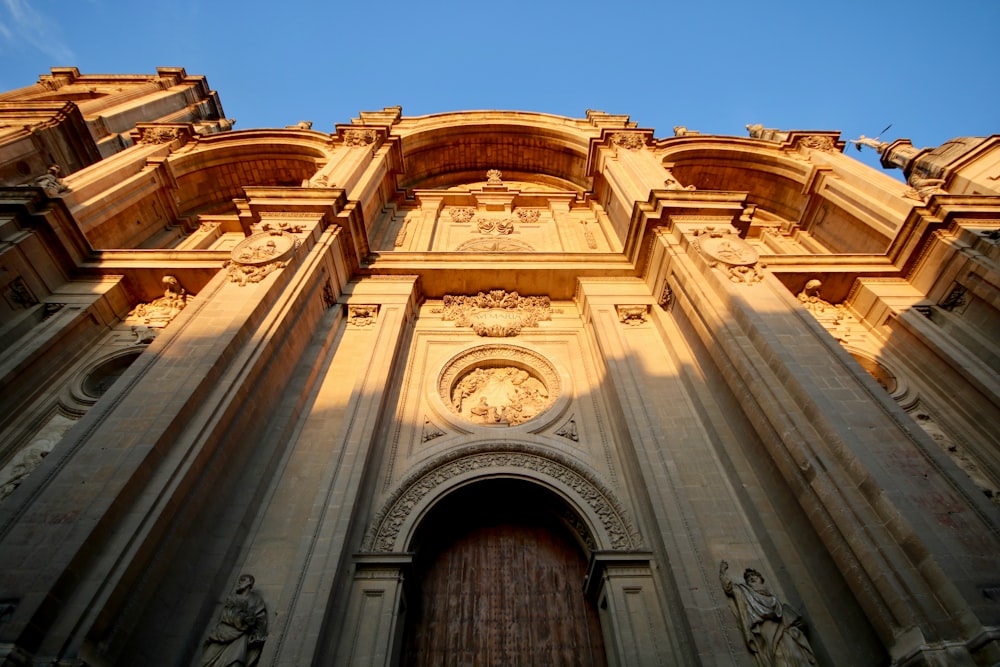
(726, 251)
(496, 313)
(263, 248)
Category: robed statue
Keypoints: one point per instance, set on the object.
(773, 631)
(238, 637)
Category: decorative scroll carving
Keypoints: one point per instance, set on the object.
(633, 316)
(819, 142)
(493, 177)
(242, 274)
(666, 300)
(281, 226)
(160, 311)
(18, 294)
(496, 313)
(499, 385)
(502, 226)
(360, 138)
(430, 431)
(528, 216)
(462, 215)
(956, 299)
(494, 244)
(362, 315)
(329, 297)
(589, 490)
(774, 633)
(159, 135)
(499, 395)
(568, 430)
(239, 636)
(629, 140)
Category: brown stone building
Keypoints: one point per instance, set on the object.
(489, 388)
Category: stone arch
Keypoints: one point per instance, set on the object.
(443, 150)
(601, 520)
(215, 172)
(781, 184)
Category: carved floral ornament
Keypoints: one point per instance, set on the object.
(496, 313)
(726, 251)
(417, 492)
(630, 140)
(355, 138)
(499, 385)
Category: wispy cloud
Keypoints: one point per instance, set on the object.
(22, 25)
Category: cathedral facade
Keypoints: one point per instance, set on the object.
(489, 388)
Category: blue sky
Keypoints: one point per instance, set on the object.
(931, 69)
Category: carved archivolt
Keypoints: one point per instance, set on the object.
(418, 491)
(499, 385)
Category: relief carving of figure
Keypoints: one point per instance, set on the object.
(239, 636)
(773, 631)
(20, 471)
(50, 182)
(506, 395)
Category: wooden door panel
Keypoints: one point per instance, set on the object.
(503, 594)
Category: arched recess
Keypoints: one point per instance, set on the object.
(781, 185)
(444, 150)
(602, 519)
(215, 172)
(620, 576)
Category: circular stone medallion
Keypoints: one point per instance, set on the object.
(263, 248)
(499, 385)
(728, 249)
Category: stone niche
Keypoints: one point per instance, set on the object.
(499, 385)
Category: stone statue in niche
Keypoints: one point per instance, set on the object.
(238, 637)
(772, 630)
(160, 311)
(50, 182)
(30, 460)
(502, 396)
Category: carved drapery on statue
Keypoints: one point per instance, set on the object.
(773, 632)
(239, 636)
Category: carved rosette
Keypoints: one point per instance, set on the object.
(490, 460)
(726, 251)
(499, 385)
(257, 256)
(462, 215)
(496, 313)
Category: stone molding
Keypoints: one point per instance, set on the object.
(422, 488)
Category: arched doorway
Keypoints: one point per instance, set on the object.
(498, 580)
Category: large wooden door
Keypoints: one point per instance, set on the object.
(499, 582)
